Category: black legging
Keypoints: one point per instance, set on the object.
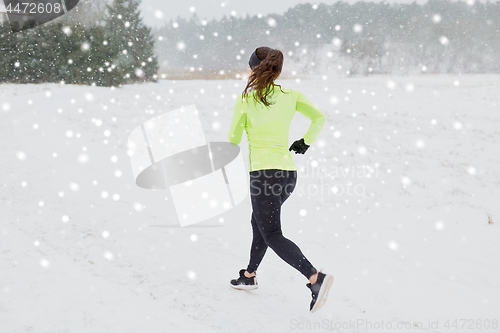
(269, 188)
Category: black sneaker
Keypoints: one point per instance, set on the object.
(243, 282)
(319, 290)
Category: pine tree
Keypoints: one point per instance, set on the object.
(75, 54)
(7, 53)
(131, 42)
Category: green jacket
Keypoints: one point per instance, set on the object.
(267, 128)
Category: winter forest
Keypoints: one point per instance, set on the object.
(363, 38)
(397, 199)
(82, 48)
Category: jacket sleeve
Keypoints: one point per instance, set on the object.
(238, 122)
(308, 109)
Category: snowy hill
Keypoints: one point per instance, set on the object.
(402, 225)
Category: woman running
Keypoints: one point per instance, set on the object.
(265, 113)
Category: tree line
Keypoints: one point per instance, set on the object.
(440, 36)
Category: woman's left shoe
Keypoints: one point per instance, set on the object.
(319, 290)
(243, 282)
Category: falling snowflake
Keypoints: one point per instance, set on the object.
(89, 97)
(439, 225)
(74, 186)
(159, 14)
(108, 255)
(67, 30)
(405, 180)
(443, 40)
(393, 245)
(362, 150)
(271, 22)
(138, 206)
(85, 46)
(191, 275)
(21, 155)
(471, 170)
(83, 158)
(45, 263)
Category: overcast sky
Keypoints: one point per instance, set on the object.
(155, 12)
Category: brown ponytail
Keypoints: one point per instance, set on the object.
(262, 78)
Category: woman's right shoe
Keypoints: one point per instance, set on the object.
(243, 282)
(319, 290)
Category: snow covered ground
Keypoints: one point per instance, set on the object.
(402, 226)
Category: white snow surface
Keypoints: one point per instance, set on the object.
(409, 244)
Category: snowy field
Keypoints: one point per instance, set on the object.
(394, 200)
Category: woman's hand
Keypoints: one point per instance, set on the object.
(299, 146)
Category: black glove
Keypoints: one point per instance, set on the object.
(299, 146)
